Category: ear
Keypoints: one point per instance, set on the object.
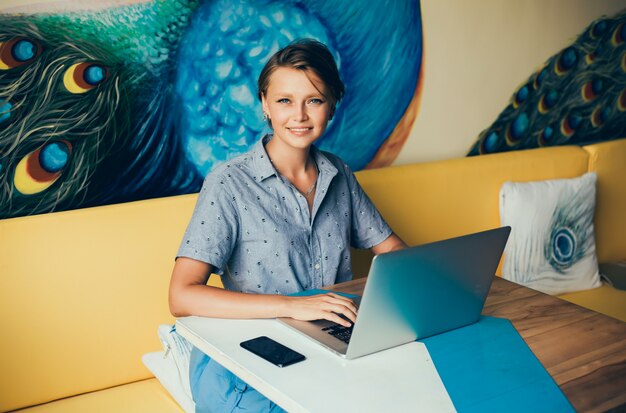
(265, 106)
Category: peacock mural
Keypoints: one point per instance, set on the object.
(577, 97)
(142, 100)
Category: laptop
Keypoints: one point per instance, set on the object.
(415, 293)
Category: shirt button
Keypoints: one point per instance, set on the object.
(317, 266)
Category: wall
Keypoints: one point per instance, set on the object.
(476, 54)
(143, 100)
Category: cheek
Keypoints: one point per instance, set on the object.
(278, 114)
(323, 115)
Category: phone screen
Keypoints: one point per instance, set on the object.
(272, 351)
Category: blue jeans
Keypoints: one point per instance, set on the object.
(216, 389)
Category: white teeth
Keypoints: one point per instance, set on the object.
(299, 129)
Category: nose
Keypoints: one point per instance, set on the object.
(300, 114)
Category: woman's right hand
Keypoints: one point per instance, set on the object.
(189, 295)
(322, 306)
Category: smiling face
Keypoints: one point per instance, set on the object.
(297, 106)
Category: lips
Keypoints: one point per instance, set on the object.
(300, 131)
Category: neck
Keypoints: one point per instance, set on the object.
(288, 161)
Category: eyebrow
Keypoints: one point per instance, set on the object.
(291, 95)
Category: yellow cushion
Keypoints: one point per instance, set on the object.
(606, 300)
(142, 396)
(608, 160)
(84, 292)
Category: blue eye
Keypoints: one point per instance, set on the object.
(54, 156)
(17, 52)
(283, 100)
(82, 77)
(5, 111)
(24, 50)
(490, 144)
(95, 75)
(316, 101)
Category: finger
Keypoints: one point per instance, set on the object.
(333, 295)
(340, 297)
(330, 316)
(334, 299)
(337, 299)
(340, 309)
(351, 315)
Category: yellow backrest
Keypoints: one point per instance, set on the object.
(608, 160)
(432, 201)
(438, 200)
(82, 293)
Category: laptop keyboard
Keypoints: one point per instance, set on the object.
(340, 332)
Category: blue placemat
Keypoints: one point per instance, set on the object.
(316, 291)
(487, 367)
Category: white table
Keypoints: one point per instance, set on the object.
(399, 379)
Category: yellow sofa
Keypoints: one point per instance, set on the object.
(83, 291)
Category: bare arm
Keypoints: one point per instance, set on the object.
(392, 243)
(189, 295)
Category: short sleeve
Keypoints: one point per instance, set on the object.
(368, 226)
(213, 230)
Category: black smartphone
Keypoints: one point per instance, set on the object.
(272, 351)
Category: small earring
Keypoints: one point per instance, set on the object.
(265, 117)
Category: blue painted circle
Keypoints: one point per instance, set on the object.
(599, 28)
(519, 126)
(604, 114)
(574, 120)
(597, 86)
(5, 111)
(548, 133)
(563, 246)
(216, 72)
(94, 75)
(568, 59)
(491, 142)
(541, 76)
(522, 94)
(54, 156)
(551, 98)
(24, 50)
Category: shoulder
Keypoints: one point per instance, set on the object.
(344, 172)
(232, 171)
(337, 162)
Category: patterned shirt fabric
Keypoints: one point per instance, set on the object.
(255, 228)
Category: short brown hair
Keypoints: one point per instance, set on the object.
(306, 54)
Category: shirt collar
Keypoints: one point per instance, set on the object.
(262, 164)
(324, 165)
(264, 168)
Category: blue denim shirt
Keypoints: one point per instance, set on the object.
(255, 228)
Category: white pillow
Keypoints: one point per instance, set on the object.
(552, 244)
(171, 366)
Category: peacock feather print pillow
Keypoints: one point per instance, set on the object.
(552, 244)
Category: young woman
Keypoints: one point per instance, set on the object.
(277, 220)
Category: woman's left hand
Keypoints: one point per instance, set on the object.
(328, 306)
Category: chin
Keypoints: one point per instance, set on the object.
(300, 141)
(301, 144)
